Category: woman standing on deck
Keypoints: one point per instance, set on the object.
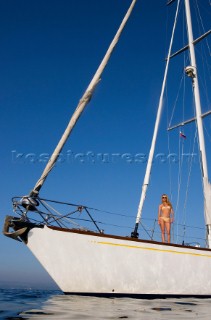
(165, 218)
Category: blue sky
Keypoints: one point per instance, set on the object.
(49, 53)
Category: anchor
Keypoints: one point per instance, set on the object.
(8, 223)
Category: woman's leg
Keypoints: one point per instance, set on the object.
(168, 231)
(162, 227)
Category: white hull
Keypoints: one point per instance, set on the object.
(87, 263)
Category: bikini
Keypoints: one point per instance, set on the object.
(166, 219)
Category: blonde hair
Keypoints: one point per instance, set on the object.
(167, 199)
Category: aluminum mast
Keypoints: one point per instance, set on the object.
(192, 72)
(135, 234)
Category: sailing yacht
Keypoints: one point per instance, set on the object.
(86, 262)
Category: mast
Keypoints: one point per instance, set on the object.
(82, 104)
(192, 72)
(135, 234)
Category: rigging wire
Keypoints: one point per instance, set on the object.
(181, 143)
(62, 220)
(204, 60)
(90, 208)
(207, 132)
(179, 179)
(187, 188)
(177, 97)
(200, 22)
(182, 81)
(182, 154)
(203, 81)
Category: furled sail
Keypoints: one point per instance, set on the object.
(82, 104)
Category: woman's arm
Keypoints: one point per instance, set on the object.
(159, 213)
(172, 215)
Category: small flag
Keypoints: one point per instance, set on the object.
(182, 135)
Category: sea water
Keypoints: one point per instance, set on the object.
(39, 304)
